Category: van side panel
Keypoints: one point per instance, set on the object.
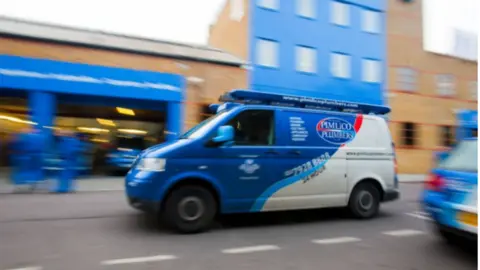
(371, 155)
(311, 164)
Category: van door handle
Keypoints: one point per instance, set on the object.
(271, 152)
(295, 152)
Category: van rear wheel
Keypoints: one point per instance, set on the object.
(189, 209)
(364, 201)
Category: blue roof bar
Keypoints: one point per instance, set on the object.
(262, 98)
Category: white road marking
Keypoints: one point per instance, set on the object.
(401, 233)
(419, 215)
(28, 268)
(250, 249)
(338, 240)
(140, 260)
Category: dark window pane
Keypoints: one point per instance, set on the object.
(254, 127)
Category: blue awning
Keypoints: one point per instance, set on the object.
(32, 74)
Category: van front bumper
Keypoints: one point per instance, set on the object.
(391, 195)
(461, 234)
(140, 190)
(143, 205)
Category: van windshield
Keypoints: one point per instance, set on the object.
(462, 158)
(203, 127)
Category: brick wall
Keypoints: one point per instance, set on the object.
(422, 106)
(231, 35)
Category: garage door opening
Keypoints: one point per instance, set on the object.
(112, 135)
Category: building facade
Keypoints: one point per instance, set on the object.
(67, 78)
(426, 91)
(330, 49)
(207, 72)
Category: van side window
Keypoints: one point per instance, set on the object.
(254, 127)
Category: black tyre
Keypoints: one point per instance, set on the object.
(189, 209)
(117, 172)
(449, 237)
(364, 201)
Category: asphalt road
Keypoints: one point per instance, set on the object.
(99, 231)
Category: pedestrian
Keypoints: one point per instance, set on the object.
(85, 162)
(27, 157)
(69, 150)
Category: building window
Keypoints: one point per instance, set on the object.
(445, 84)
(267, 53)
(306, 8)
(340, 65)
(270, 4)
(409, 134)
(473, 88)
(236, 10)
(371, 71)
(306, 59)
(446, 135)
(340, 13)
(371, 21)
(406, 79)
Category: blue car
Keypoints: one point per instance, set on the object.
(450, 195)
(127, 148)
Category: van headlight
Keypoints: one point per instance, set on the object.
(151, 164)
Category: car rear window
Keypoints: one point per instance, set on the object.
(462, 158)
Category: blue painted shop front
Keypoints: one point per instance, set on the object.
(46, 82)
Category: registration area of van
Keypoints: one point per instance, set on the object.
(97, 101)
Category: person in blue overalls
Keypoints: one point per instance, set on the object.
(16, 155)
(28, 157)
(84, 163)
(69, 149)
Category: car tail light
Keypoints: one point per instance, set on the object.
(434, 182)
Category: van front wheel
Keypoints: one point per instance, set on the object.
(364, 201)
(189, 209)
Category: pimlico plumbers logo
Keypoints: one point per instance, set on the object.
(335, 130)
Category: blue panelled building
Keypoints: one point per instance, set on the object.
(318, 48)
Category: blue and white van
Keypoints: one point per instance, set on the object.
(450, 195)
(267, 152)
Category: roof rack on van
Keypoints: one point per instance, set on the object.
(262, 98)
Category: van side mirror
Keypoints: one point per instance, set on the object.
(224, 134)
(440, 156)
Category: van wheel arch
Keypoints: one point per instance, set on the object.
(190, 206)
(193, 181)
(371, 181)
(365, 198)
